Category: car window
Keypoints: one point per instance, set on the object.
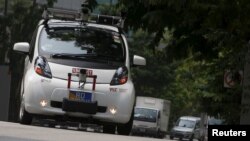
(185, 123)
(197, 124)
(87, 40)
(143, 114)
(214, 121)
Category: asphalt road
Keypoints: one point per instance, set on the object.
(17, 132)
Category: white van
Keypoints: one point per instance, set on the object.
(151, 116)
(186, 127)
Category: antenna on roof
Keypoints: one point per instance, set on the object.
(45, 16)
(123, 17)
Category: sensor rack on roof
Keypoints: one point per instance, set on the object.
(55, 13)
(107, 20)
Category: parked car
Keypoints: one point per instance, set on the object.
(185, 128)
(78, 70)
(211, 121)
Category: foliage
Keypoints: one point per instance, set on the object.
(209, 33)
(161, 79)
(198, 40)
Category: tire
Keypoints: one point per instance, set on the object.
(24, 116)
(125, 129)
(191, 139)
(171, 137)
(157, 135)
(132, 133)
(109, 129)
(160, 135)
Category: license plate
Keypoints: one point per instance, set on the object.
(79, 95)
(142, 130)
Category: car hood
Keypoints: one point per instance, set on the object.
(143, 124)
(60, 71)
(182, 129)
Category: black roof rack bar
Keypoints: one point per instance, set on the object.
(61, 14)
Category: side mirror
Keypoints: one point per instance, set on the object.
(139, 61)
(22, 47)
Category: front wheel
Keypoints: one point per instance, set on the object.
(24, 116)
(109, 129)
(171, 137)
(160, 135)
(125, 129)
(191, 139)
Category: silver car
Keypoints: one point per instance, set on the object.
(185, 128)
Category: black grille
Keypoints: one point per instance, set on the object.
(101, 109)
(56, 104)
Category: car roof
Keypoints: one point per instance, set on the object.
(192, 118)
(55, 22)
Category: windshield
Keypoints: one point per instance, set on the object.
(143, 114)
(84, 42)
(214, 121)
(185, 123)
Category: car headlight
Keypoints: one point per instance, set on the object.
(42, 67)
(120, 76)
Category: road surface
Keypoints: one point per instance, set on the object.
(17, 132)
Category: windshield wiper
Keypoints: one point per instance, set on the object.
(88, 57)
(66, 56)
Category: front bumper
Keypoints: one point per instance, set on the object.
(79, 106)
(54, 91)
(146, 131)
(181, 135)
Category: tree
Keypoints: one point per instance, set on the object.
(207, 29)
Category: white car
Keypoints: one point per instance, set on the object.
(51, 87)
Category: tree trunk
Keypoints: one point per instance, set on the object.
(6, 7)
(245, 99)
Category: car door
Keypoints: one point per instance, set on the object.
(197, 131)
